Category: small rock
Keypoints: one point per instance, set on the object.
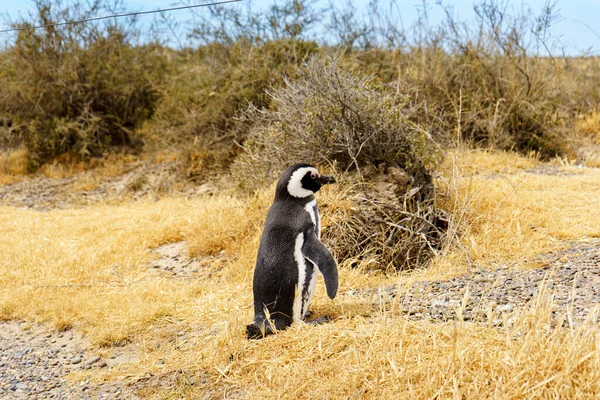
(76, 360)
(505, 308)
(92, 360)
(21, 386)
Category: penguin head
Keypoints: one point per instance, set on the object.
(301, 181)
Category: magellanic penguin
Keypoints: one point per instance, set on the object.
(290, 252)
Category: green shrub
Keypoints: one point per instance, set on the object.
(80, 87)
(210, 86)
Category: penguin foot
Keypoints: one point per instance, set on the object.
(257, 331)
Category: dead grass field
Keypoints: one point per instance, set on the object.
(87, 269)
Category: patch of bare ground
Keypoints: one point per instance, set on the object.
(568, 280)
(35, 362)
(138, 179)
(174, 260)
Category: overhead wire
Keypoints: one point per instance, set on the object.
(130, 14)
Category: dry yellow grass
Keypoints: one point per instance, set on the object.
(13, 165)
(590, 125)
(67, 165)
(86, 268)
(510, 208)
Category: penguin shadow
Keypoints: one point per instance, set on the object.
(344, 310)
(357, 303)
(348, 310)
(275, 324)
(319, 316)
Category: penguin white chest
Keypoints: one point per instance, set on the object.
(307, 270)
(307, 280)
(313, 211)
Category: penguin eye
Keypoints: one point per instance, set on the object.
(313, 175)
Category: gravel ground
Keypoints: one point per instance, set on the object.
(35, 359)
(569, 278)
(139, 179)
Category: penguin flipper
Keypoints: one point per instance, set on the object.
(315, 252)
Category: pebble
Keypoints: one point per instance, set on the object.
(92, 360)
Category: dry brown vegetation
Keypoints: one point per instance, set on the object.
(87, 269)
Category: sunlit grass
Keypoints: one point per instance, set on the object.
(87, 268)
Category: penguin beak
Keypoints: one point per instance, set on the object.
(325, 179)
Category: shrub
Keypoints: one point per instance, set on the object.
(494, 78)
(79, 87)
(331, 116)
(209, 87)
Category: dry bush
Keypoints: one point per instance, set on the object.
(331, 116)
(491, 78)
(238, 55)
(79, 87)
(590, 125)
(14, 165)
(503, 102)
(210, 86)
(383, 223)
(582, 76)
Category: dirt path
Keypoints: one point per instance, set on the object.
(140, 179)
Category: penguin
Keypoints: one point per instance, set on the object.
(290, 253)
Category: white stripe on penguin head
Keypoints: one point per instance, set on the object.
(294, 186)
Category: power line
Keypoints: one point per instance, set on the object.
(119, 16)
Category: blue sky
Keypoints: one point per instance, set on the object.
(578, 29)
